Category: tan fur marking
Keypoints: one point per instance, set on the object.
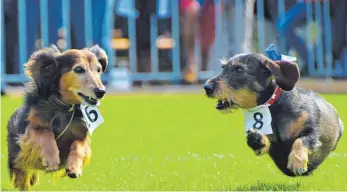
(69, 82)
(296, 127)
(266, 148)
(298, 157)
(243, 97)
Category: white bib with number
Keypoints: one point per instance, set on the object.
(259, 118)
(92, 117)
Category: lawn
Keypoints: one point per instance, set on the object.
(179, 142)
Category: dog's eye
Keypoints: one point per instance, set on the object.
(223, 66)
(99, 69)
(238, 69)
(79, 70)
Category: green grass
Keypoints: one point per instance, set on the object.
(179, 142)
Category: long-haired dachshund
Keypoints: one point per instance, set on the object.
(297, 128)
(48, 132)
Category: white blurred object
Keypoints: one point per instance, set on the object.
(248, 37)
(121, 76)
(288, 58)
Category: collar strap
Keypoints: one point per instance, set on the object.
(59, 104)
(274, 97)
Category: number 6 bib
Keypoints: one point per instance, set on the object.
(259, 118)
(92, 117)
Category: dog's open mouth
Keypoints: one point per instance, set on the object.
(225, 105)
(88, 100)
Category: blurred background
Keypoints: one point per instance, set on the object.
(175, 42)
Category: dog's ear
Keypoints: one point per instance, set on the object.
(285, 73)
(101, 55)
(44, 70)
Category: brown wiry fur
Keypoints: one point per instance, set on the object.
(306, 128)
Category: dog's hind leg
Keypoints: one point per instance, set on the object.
(304, 149)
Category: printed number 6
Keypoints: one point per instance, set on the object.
(92, 115)
(258, 117)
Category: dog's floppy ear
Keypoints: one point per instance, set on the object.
(285, 73)
(44, 70)
(100, 55)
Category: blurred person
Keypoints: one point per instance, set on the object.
(338, 18)
(11, 36)
(32, 33)
(145, 9)
(198, 16)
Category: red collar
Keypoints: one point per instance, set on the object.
(274, 97)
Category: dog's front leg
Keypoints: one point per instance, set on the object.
(43, 140)
(80, 153)
(258, 142)
(298, 157)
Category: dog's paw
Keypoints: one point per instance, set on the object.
(297, 161)
(51, 162)
(74, 171)
(257, 141)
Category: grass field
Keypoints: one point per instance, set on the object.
(179, 142)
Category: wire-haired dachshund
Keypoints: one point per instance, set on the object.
(48, 132)
(297, 128)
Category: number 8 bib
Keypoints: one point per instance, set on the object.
(259, 118)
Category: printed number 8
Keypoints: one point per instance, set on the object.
(258, 117)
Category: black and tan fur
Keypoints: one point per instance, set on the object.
(52, 97)
(305, 127)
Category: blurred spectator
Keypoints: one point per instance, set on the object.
(11, 36)
(145, 8)
(288, 28)
(198, 16)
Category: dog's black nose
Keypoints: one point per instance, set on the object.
(99, 93)
(209, 89)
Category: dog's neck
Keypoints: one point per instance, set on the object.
(56, 102)
(266, 94)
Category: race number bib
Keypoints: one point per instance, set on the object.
(92, 117)
(259, 118)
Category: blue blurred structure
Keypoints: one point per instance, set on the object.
(272, 54)
(92, 21)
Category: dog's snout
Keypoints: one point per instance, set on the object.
(209, 88)
(99, 93)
